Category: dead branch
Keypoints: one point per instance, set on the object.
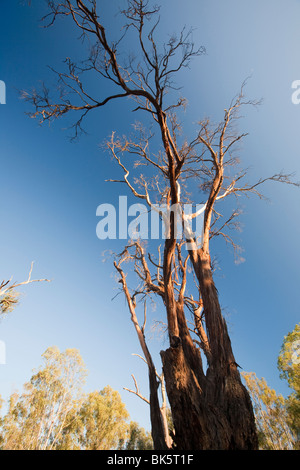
(9, 296)
(137, 391)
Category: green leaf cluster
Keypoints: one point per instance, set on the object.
(278, 418)
(53, 413)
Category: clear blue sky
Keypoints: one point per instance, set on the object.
(50, 190)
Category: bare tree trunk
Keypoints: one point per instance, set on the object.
(215, 406)
(185, 398)
(158, 430)
(212, 409)
(217, 417)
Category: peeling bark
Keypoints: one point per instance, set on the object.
(215, 406)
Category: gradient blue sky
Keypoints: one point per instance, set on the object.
(50, 190)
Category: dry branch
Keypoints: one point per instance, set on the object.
(9, 296)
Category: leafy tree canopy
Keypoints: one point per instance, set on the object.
(53, 413)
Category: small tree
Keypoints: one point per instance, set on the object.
(289, 367)
(277, 417)
(103, 421)
(138, 438)
(272, 419)
(53, 413)
(37, 418)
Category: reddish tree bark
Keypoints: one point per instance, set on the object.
(211, 409)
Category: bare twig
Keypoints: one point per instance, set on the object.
(9, 296)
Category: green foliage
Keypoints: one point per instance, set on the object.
(289, 359)
(36, 418)
(289, 367)
(101, 424)
(271, 415)
(278, 418)
(103, 420)
(53, 413)
(138, 438)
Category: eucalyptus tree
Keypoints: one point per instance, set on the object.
(271, 413)
(289, 367)
(211, 408)
(53, 412)
(278, 418)
(36, 418)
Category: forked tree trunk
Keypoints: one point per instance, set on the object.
(212, 410)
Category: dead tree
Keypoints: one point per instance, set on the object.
(210, 406)
(166, 442)
(159, 428)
